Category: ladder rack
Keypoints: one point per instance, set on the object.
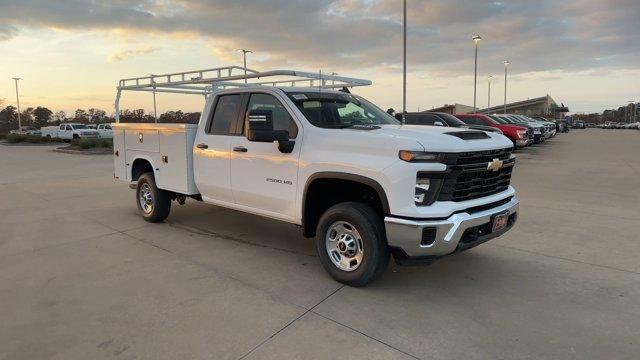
(205, 82)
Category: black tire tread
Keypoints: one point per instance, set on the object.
(372, 268)
(162, 206)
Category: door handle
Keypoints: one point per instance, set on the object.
(240, 149)
(202, 146)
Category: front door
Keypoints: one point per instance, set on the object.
(212, 149)
(262, 177)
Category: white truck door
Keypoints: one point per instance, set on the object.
(65, 132)
(212, 149)
(262, 177)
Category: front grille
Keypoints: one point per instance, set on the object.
(470, 178)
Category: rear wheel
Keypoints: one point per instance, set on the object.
(352, 244)
(154, 204)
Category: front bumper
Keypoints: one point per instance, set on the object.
(424, 240)
(524, 142)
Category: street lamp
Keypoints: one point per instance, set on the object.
(506, 65)
(476, 39)
(404, 61)
(18, 102)
(244, 56)
(489, 94)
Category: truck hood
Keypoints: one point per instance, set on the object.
(439, 139)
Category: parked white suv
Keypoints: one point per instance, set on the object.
(364, 185)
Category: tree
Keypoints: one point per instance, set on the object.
(26, 117)
(42, 116)
(97, 116)
(135, 116)
(59, 117)
(8, 119)
(81, 116)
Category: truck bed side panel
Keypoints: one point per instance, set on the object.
(119, 155)
(167, 147)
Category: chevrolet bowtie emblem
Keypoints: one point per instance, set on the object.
(495, 165)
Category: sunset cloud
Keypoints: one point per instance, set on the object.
(545, 40)
(130, 53)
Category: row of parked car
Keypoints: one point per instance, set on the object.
(616, 125)
(520, 129)
(68, 131)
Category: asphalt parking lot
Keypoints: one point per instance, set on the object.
(82, 276)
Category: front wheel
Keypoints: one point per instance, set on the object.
(154, 204)
(352, 244)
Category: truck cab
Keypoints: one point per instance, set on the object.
(361, 183)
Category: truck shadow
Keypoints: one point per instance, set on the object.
(262, 233)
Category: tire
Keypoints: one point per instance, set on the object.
(369, 228)
(157, 202)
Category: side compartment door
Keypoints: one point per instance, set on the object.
(212, 149)
(262, 177)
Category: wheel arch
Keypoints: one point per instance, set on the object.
(141, 165)
(310, 217)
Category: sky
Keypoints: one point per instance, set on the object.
(71, 53)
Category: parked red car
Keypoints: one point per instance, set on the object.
(520, 135)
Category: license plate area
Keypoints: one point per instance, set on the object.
(499, 221)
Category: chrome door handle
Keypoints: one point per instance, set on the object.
(240, 149)
(202, 146)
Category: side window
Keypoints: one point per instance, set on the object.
(225, 113)
(62, 127)
(281, 118)
(108, 127)
(473, 121)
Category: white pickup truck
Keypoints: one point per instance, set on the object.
(350, 175)
(104, 131)
(69, 131)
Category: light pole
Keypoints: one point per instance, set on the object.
(18, 103)
(506, 65)
(489, 95)
(244, 57)
(404, 61)
(155, 111)
(476, 39)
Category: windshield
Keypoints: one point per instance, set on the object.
(338, 111)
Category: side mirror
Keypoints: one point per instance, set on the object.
(259, 125)
(438, 123)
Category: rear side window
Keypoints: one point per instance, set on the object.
(421, 119)
(281, 118)
(224, 115)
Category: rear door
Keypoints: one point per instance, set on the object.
(262, 177)
(212, 149)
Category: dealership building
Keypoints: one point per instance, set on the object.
(543, 106)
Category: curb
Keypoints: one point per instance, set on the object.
(81, 152)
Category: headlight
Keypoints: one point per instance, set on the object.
(418, 156)
(521, 133)
(427, 188)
